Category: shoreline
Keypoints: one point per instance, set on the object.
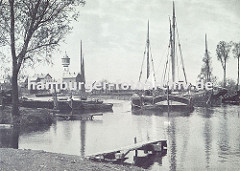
(17, 159)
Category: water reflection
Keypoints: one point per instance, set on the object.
(205, 139)
(223, 141)
(207, 134)
(33, 129)
(147, 161)
(161, 113)
(83, 137)
(173, 145)
(9, 137)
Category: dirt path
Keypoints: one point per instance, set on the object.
(31, 160)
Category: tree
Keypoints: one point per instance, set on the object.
(31, 27)
(223, 49)
(236, 53)
(206, 70)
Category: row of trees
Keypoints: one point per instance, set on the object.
(223, 54)
(31, 28)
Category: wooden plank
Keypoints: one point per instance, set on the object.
(127, 148)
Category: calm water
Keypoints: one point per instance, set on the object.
(204, 139)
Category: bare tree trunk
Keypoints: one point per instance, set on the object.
(224, 77)
(238, 73)
(15, 100)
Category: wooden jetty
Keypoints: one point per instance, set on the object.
(119, 155)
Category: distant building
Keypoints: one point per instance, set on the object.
(72, 77)
(38, 78)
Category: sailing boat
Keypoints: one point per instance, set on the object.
(163, 99)
(206, 98)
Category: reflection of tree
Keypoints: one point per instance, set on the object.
(9, 138)
(83, 137)
(223, 141)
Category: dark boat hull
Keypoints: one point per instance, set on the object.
(152, 103)
(66, 105)
(232, 99)
(84, 105)
(208, 98)
(37, 104)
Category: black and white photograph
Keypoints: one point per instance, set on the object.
(133, 85)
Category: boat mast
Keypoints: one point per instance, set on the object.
(148, 50)
(173, 43)
(207, 59)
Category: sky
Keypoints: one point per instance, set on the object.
(114, 37)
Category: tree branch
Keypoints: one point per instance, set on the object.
(41, 46)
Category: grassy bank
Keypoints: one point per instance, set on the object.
(28, 117)
(31, 160)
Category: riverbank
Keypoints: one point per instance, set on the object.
(27, 117)
(29, 160)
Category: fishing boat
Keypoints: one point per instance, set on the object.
(208, 98)
(163, 99)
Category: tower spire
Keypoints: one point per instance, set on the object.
(82, 69)
(81, 57)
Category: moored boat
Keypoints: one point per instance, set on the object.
(165, 100)
(67, 105)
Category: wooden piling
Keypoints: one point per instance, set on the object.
(135, 142)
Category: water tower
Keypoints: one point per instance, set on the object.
(65, 63)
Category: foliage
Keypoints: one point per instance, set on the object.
(206, 70)
(236, 49)
(223, 49)
(33, 27)
(38, 26)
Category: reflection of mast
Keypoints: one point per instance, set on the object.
(208, 140)
(173, 149)
(83, 137)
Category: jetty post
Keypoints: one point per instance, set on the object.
(135, 142)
